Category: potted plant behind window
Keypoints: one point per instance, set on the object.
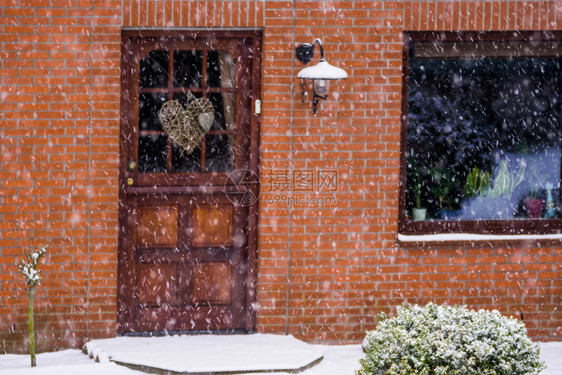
(419, 213)
(416, 178)
(499, 193)
(533, 203)
(443, 183)
(477, 181)
(494, 201)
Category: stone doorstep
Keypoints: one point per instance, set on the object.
(161, 371)
(245, 354)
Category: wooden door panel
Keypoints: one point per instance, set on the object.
(212, 225)
(157, 284)
(212, 283)
(199, 284)
(158, 227)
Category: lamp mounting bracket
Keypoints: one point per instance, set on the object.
(305, 52)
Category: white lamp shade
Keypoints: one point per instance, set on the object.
(322, 70)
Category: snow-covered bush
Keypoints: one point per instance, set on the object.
(435, 340)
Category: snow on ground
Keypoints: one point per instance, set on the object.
(551, 353)
(66, 362)
(338, 360)
(209, 353)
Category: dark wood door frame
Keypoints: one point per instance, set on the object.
(188, 184)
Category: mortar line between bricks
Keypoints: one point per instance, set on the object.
(288, 293)
(90, 123)
(164, 12)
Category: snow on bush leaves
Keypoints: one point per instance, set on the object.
(446, 340)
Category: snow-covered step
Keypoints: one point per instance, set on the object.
(207, 354)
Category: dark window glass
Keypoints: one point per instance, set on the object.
(149, 105)
(154, 69)
(215, 153)
(221, 70)
(182, 98)
(484, 136)
(184, 162)
(218, 154)
(213, 69)
(187, 68)
(152, 153)
(217, 100)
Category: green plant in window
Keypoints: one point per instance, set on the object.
(505, 181)
(415, 176)
(442, 185)
(477, 181)
(534, 176)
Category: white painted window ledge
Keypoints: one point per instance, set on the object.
(443, 237)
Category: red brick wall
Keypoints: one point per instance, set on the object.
(59, 146)
(345, 263)
(59, 115)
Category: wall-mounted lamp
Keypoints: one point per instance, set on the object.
(320, 73)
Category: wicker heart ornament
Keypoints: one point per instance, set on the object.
(187, 126)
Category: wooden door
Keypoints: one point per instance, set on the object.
(187, 238)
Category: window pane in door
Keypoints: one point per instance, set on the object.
(225, 106)
(187, 68)
(219, 153)
(184, 162)
(149, 105)
(154, 69)
(183, 98)
(152, 153)
(221, 70)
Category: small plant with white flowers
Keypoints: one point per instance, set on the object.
(32, 277)
(449, 340)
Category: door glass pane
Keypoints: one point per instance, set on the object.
(221, 70)
(152, 153)
(187, 68)
(154, 69)
(149, 105)
(183, 162)
(216, 99)
(182, 98)
(219, 153)
(225, 106)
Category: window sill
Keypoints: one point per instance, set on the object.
(471, 237)
(486, 229)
